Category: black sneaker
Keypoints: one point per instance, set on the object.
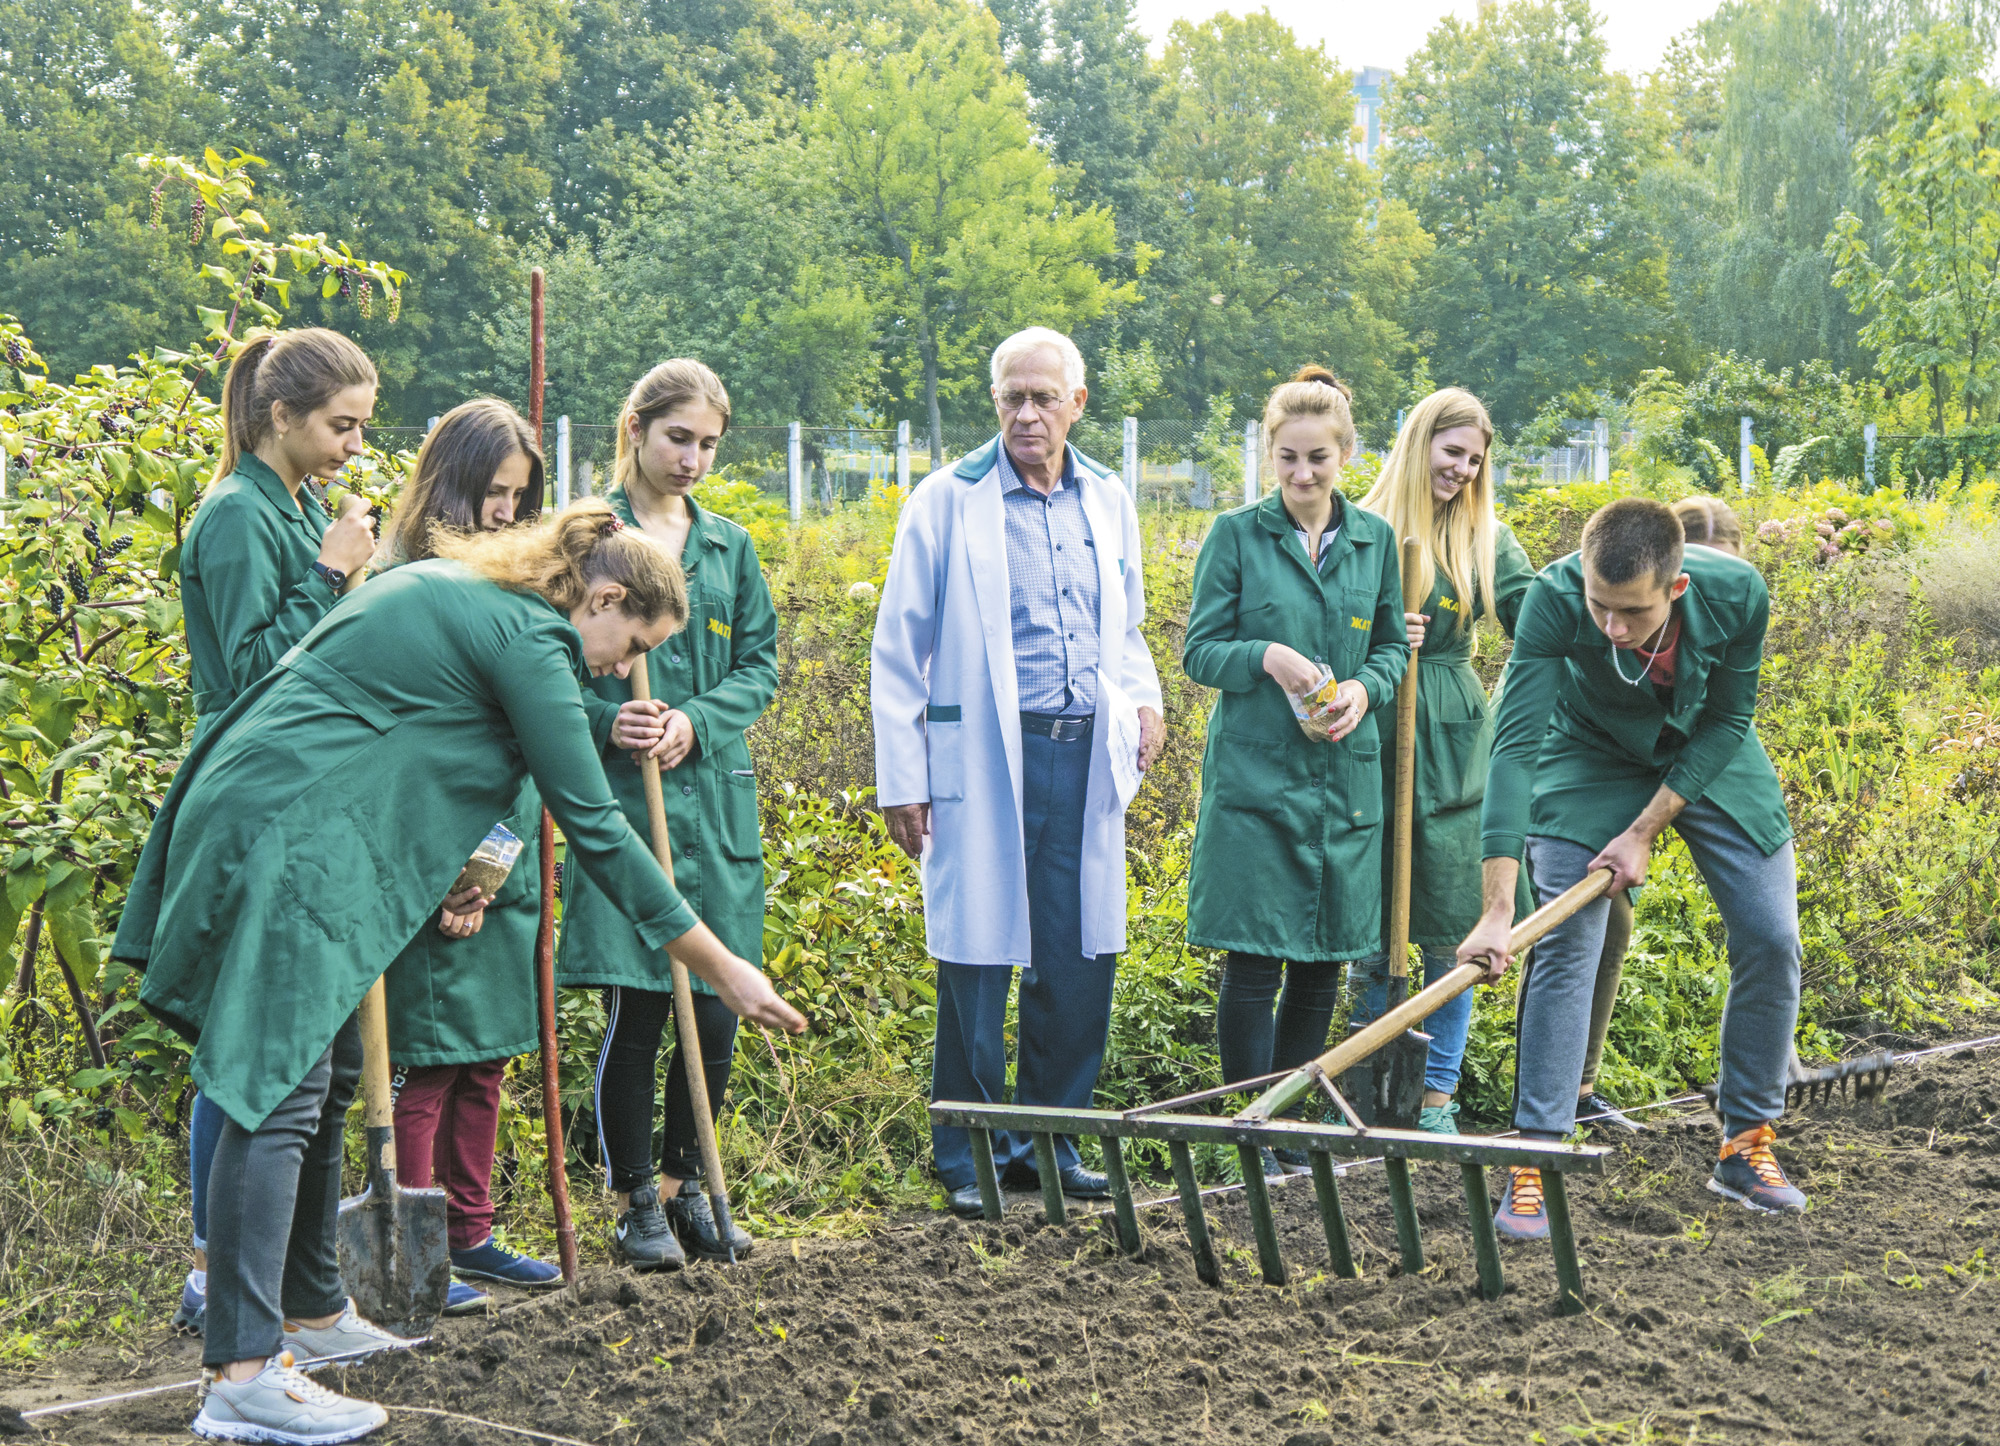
(1594, 1109)
(644, 1239)
(1292, 1162)
(694, 1222)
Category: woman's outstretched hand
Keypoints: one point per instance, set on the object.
(746, 991)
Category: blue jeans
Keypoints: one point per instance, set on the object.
(1758, 899)
(204, 1129)
(1447, 1027)
(1065, 1010)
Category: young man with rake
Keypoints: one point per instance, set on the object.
(1629, 706)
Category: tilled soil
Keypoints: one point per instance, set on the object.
(1874, 1319)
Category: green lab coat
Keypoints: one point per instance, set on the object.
(721, 671)
(311, 833)
(1288, 843)
(1454, 741)
(248, 590)
(1579, 751)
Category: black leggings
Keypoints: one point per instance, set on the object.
(1250, 1040)
(625, 1075)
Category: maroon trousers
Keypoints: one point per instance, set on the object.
(447, 1120)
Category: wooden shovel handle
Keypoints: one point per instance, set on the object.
(377, 1097)
(663, 850)
(1406, 782)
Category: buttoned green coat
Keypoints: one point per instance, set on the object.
(311, 833)
(1454, 745)
(1579, 750)
(721, 671)
(1288, 842)
(248, 591)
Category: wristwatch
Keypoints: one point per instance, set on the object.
(333, 576)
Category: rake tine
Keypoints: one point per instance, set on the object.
(1569, 1274)
(990, 1202)
(1126, 1219)
(1045, 1166)
(1332, 1218)
(1485, 1242)
(1257, 1195)
(1197, 1223)
(1403, 1201)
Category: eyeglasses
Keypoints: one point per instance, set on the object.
(1044, 401)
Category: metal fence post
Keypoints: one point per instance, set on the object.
(795, 473)
(428, 425)
(1868, 455)
(1745, 473)
(1600, 438)
(1250, 461)
(903, 455)
(562, 463)
(1132, 457)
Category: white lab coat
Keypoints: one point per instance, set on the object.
(947, 719)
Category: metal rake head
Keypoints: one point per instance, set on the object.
(1866, 1077)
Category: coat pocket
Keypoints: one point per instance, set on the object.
(1361, 777)
(737, 830)
(944, 746)
(336, 878)
(1452, 763)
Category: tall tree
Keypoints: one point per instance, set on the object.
(1932, 286)
(964, 232)
(415, 129)
(730, 249)
(1521, 155)
(1283, 250)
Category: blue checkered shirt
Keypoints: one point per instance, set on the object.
(1052, 586)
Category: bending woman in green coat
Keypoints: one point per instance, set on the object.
(461, 995)
(1287, 853)
(308, 838)
(1437, 487)
(709, 684)
(260, 567)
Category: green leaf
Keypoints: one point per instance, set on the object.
(130, 1121)
(214, 160)
(90, 1079)
(74, 933)
(329, 287)
(24, 886)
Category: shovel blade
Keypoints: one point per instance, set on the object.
(1387, 1090)
(395, 1258)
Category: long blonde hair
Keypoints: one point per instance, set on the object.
(1457, 540)
(669, 385)
(563, 557)
(302, 369)
(1312, 392)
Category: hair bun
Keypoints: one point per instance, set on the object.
(1324, 377)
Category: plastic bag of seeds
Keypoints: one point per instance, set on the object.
(1312, 708)
(490, 863)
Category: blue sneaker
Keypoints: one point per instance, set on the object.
(1439, 1119)
(462, 1299)
(191, 1315)
(1523, 1213)
(504, 1267)
(1750, 1174)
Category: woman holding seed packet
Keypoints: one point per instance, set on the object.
(1298, 621)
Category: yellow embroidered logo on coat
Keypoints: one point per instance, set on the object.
(1361, 623)
(1450, 605)
(719, 629)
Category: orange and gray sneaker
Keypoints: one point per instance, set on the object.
(1523, 1213)
(1749, 1173)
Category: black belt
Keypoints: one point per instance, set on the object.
(1057, 729)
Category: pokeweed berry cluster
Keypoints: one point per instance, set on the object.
(197, 218)
(17, 355)
(159, 203)
(114, 417)
(364, 298)
(257, 275)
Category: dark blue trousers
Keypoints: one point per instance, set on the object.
(1065, 1009)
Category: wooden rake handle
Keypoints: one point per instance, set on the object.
(697, 1073)
(1404, 815)
(1364, 1042)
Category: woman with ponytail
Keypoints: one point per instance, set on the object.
(461, 995)
(709, 685)
(262, 564)
(1437, 487)
(1286, 869)
(305, 842)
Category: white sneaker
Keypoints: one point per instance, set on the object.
(282, 1403)
(350, 1336)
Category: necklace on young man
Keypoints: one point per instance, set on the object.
(1619, 668)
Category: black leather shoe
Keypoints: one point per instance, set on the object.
(1607, 1115)
(1081, 1184)
(965, 1203)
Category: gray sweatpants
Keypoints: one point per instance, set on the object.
(1758, 899)
(273, 1194)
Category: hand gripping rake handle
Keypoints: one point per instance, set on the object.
(1364, 1042)
(1414, 593)
(697, 1070)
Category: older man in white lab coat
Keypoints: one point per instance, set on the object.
(1016, 705)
